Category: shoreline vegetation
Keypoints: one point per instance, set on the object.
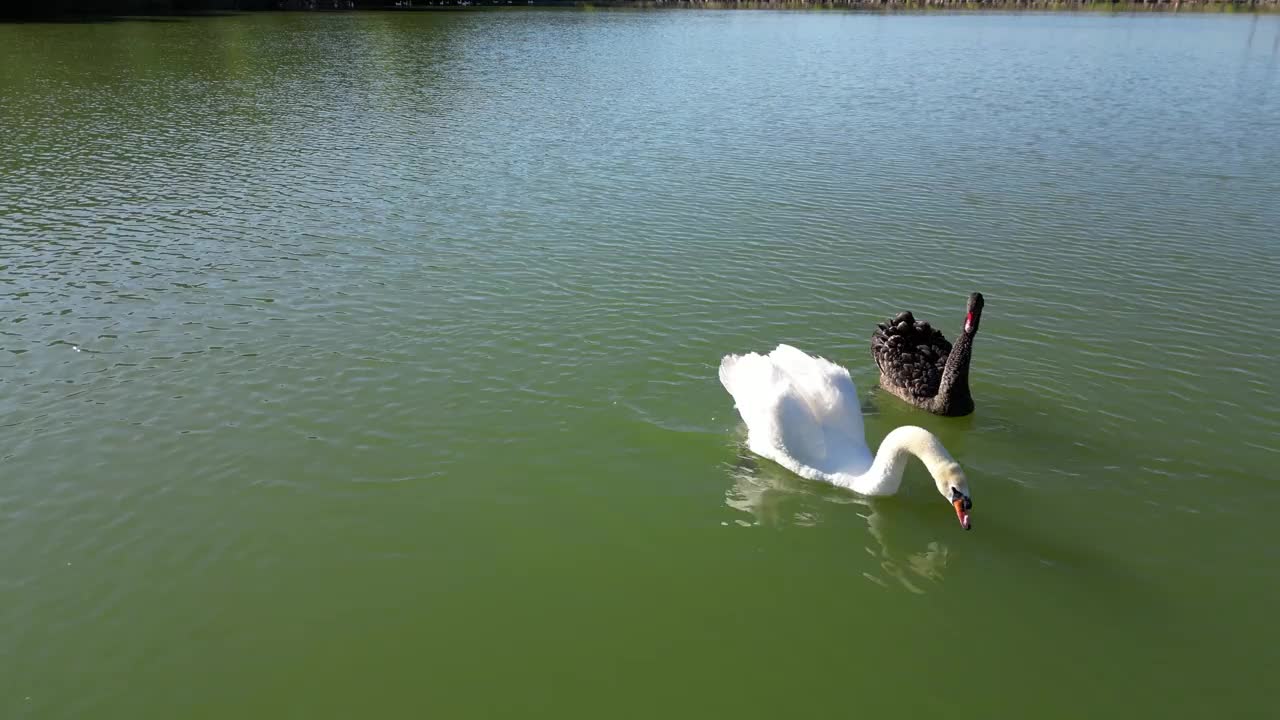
(43, 9)
(1225, 6)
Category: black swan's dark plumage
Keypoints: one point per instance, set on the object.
(918, 365)
(912, 353)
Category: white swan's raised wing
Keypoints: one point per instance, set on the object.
(801, 411)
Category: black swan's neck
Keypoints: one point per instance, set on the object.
(953, 396)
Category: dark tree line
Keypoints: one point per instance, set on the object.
(40, 9)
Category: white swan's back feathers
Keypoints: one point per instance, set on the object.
(802, 412)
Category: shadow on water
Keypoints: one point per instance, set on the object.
(774, 497)
(909, 550)
(86, 19)
(93, 19)
(114, 11)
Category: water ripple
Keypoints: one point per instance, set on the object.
(383, 268)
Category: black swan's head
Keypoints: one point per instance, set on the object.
(973, 314)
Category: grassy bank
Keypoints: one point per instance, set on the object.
(974, 5)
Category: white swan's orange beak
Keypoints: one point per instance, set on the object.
(961, 514)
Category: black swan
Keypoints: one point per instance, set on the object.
(918, 365)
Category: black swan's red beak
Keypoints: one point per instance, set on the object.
(973, 312)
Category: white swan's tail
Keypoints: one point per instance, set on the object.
(752, 380)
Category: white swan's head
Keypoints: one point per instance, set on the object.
(954, 486)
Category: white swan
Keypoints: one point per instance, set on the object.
(802, 412)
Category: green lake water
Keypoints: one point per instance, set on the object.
(364, 365)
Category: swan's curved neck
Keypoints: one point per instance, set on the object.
(953, 390)
(885, 474)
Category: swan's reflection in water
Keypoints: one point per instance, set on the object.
(773, 497)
